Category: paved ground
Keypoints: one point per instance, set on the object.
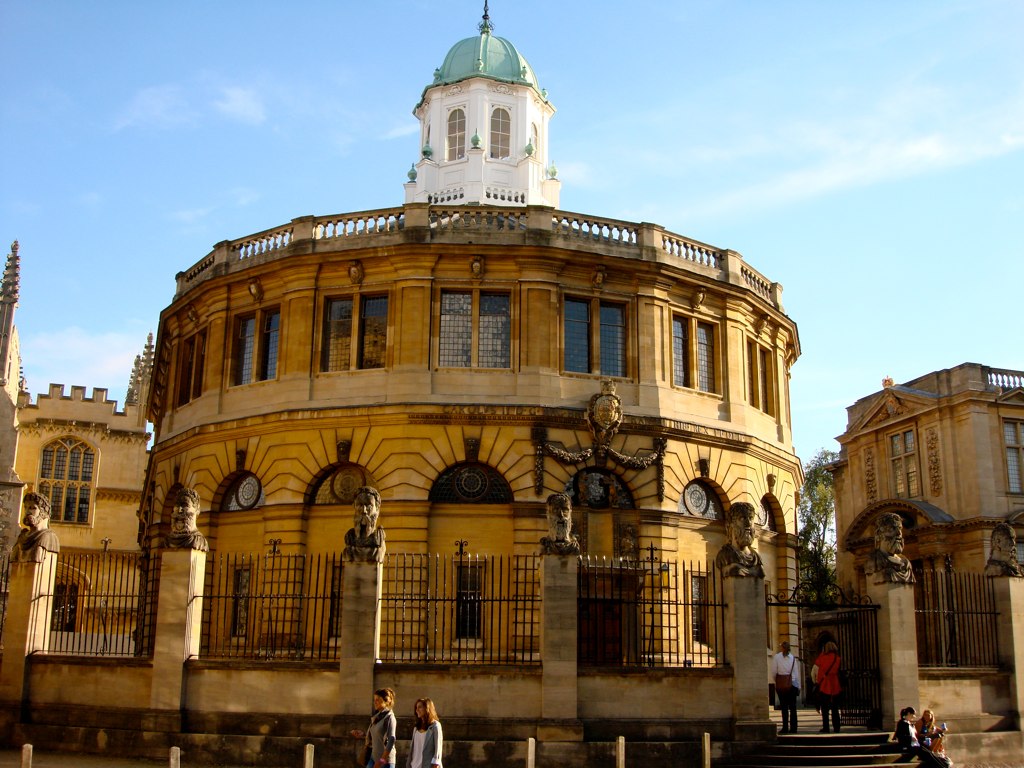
(11, 758)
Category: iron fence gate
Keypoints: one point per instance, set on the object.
(852, 623)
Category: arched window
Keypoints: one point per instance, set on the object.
(598, 489)
(340, 483)
(66, 477)
(456, 135)
(245, 492)
(501, 132)
(471, 483)
(766, 515)
(700, 500)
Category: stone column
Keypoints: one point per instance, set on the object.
(1010, 628)
(746, 630)
(559, 584)
(897, 646)
(179, 619)
(27, 626)
(360, 635)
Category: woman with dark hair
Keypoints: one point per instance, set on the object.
(425, 751)
(828, 664)
(380, 736)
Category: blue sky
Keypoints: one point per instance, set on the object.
(869, 156)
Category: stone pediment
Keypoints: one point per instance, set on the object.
(891, 404)
(1013, 396)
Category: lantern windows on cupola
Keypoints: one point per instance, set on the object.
(485, 101)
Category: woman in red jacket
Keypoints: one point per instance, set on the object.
(828, 664)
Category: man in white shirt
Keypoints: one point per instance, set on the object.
(786, 674)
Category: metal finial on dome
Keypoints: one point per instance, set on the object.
(485, 26)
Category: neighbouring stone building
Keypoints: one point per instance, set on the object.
(945, 452)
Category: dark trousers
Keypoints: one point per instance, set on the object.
(829, 704)
(787, 702)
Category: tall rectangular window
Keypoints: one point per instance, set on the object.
(680, 351)
(337, 336)
(705, 357)
(577, 336)
(1013, 435)
(190, 367)
(475, 330)
(613, 340)
(468, 600)
(903, 463)
(456, 331)
(373, 336)
(245, 345)
(607, 337)
(766, 390)
(254, 357)
(494, 345)
(760, 378)
(268, 344)
(700, 613)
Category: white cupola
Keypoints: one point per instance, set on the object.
(484, 130)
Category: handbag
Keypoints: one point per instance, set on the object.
(784, 682)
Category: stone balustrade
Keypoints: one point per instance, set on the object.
(1005, 379)
(447, 219)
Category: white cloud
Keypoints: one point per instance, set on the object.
(191, 215)
(241, 104)
(76, 357)
(161, 106)
(401, 131)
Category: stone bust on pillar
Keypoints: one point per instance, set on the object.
(737, 557)
(560, 539)
(36, 539)
(184, 533)
(887, 561)
(1003, 560)
(364, 541)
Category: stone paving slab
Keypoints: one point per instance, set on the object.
(11, 758)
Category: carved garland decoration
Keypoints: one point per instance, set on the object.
(603, 417)
(869, 475)
(934, 467)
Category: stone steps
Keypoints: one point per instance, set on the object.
(855, 749)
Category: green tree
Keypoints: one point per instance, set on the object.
(816, 521)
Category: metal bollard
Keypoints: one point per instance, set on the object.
(307, 760)
(175, 758)
(26, 756)
(620, 752)
(531, 752)
(705, 751)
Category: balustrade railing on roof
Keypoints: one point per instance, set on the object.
(447, 216)
(1005, 379)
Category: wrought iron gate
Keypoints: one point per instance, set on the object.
(852, 623)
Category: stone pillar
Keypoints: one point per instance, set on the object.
(559, 584)
(27, 626)
(897, 646)
(179, 619)
(360, 635)
(746, 630)
(1010, 628)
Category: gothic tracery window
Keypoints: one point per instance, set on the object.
(66, 478)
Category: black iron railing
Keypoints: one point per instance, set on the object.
(272, 607)
(460, 609)
(650, 613)
(956, 619)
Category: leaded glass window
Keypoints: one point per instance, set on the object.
(66, 478)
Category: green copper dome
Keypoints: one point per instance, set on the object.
(485, 56)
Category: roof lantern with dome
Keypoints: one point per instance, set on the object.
(484, 127)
